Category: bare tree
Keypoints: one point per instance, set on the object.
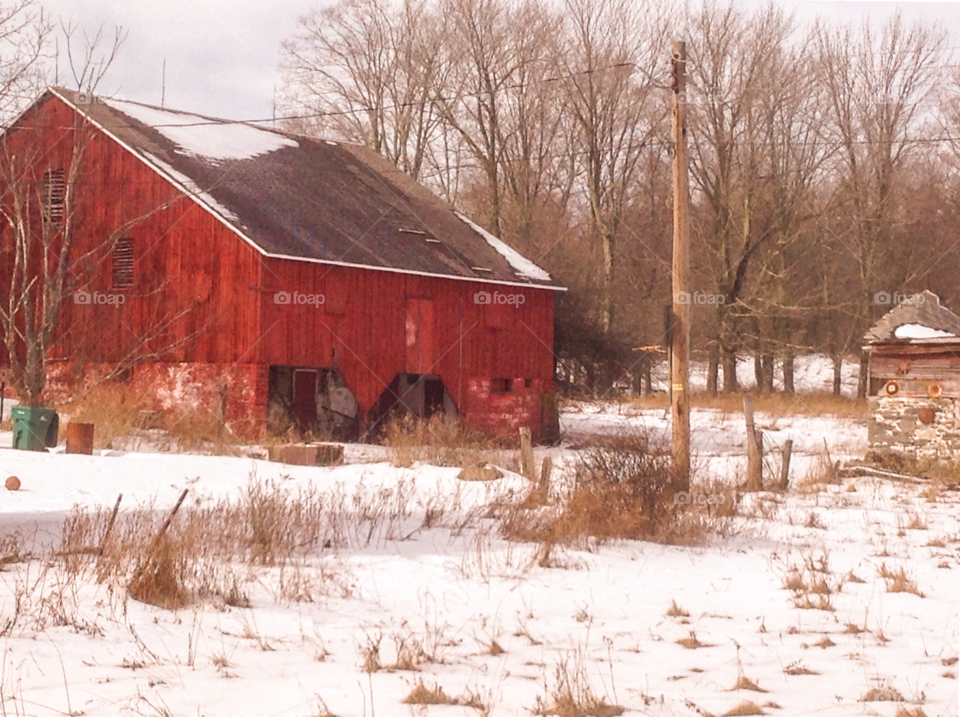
(605, 60)
(729, 56)
(879, 86)
(368, 71)
(24, 30)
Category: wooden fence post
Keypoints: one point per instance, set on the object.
(754, 451)
(527, 466)
(785, 463)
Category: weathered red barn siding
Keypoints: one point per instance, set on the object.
(367, 327)
(371, 325)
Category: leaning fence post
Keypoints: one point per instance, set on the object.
(526, 455)
(754, 455)
(785, 463)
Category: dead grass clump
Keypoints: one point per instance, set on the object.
(882, 694)
(572, 696)
(676, 611)
(443, 443)
(495, 648)
(745, 683)
(821, 473)
(797, 668)
(691, 642)
(852, 578)
(159, 578)
(898, 581)
(746, 707)
(907, 712)
(370, 654)
(794, 580)
(112, 406)
(623, 489)
(423, 695)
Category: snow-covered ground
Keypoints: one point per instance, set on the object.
(77, 647)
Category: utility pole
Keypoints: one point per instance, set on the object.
(680, 334)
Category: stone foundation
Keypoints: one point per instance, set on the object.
(235, 394)
(894, 428)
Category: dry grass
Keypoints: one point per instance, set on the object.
(571, 694)
(676, 611)
(691, 642)
(622, 489)
(898, 581)
(907, 712)
(814, 403)
(112, 407)
(796, 668)
(881, 694)
(115, 409)
(745, 683)
(443, 443)
(159, 578)
(423, 695)
(746, 707)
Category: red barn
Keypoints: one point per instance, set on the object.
(274, 278)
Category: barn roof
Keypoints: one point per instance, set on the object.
(920, 319)
(307, 199)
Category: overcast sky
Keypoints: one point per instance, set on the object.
(222, 57)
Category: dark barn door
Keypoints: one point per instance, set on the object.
(305, 399)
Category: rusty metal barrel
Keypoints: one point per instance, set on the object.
(80, 438)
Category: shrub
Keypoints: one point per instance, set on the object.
(623, 488)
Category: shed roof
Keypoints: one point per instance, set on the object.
(920, 311)
(307, 199)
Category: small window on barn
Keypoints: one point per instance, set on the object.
(500, 385)
(54, 194)
(122, 263)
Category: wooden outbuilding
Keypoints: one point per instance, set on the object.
(273, 278)
(914, 382)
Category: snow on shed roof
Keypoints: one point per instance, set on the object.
(919, 319)
(312, 200)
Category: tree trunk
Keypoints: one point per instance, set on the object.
(767, 363)
(729, 363)
(837, 375)
(713, 369)
(864, 375)
(788, 367)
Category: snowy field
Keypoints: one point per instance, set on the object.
(489, 621)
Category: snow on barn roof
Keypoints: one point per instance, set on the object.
(313, 200)
(921, 318)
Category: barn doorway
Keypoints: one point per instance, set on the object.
(421, 395)
(304, 399)
(316, 403)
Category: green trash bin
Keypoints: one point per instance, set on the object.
(34, 428)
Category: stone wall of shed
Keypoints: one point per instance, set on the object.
(894, 427)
